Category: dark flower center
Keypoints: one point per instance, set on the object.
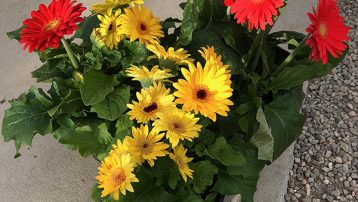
(143, 27)
(150, 108)
(201, 94)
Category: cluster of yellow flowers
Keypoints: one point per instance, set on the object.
(134, 22)
(204, 90)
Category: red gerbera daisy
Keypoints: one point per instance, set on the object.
(328, 31)
(256, 12)
(229, 2)
(49, 24)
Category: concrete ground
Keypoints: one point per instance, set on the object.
(48, 172)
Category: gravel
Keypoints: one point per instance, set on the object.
(326, 155)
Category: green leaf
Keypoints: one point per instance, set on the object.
(263, 139)
(86, 142)
(203, 176)
(136, 53)
(190, 20)
(96, 195)
(146, 190)
(285, 120)
(114, 105)
(45, 73)
(70, 103)
(96, 86)
(27, 117)
(15, 34)
(230, 185)
(224, 153)
(281, 37)
(295, 76)
(104, 136)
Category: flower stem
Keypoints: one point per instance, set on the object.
(292, 55)
(70, 53)
(253, 47)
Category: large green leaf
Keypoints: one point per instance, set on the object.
(27, 117)
(83, 139)
(203, 176)
(295, 76)
(45, 73)
(70, 103)
(230, 184)
(223, 152)
(96, 86)
(114, 105)
(146, 190)
(104, 136)
(263, 139)
(285, 120)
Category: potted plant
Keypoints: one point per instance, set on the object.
(178, 110)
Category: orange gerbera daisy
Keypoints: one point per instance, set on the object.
(328, 31)
(48, 25)
(256, 12)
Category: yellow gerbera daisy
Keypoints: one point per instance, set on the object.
(109, 28)
(151, 101)
(205, 90)
(179, 56)
(139, 23)
(180, 158)
(145, 144)
(179, 125)
(120, 149)
(148, 77)
(116, 175)
(113, 4)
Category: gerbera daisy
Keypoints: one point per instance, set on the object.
(329, 33)
(151, 101)
(148, 77)
(145, 144)
(48, 25)
(180, 158)
(113, 4)
(179, 56)
(205, 90)
(109, 28)
(256, 12)
(120, 149)
(179, 125)
(116, 175)
(139, 23)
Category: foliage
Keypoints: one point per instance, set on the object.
(86, 108)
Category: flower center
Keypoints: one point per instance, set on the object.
(143, 27)
(152, 107)
(177, 127)
(145, 148)
(53, 24)
(110, 28)
(119, 177)
(201, 93)
(322, 30)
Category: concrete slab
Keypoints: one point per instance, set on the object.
(50, 172)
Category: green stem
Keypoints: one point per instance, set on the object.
(265, 66)
(292, 55)
(258, 52)
(70, 53)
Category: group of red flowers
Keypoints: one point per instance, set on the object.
(328, 34)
